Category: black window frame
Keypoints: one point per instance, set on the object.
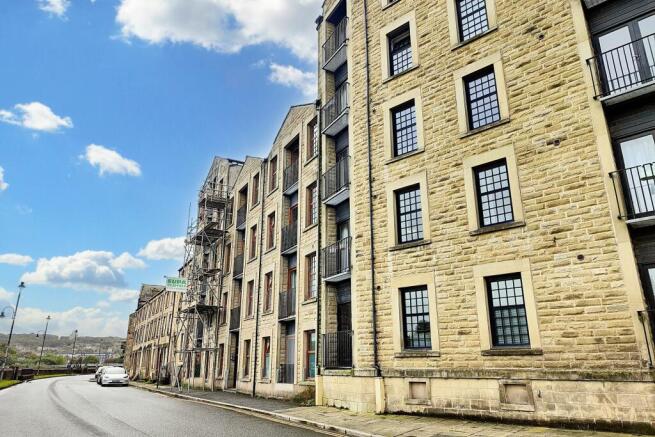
(395, 111)
(463, 19)
(426, 333)
(401, 215)
(394, 39)
(479, 194)
(493, 320)
(495, 115)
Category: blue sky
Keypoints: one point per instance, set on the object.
(110, 114)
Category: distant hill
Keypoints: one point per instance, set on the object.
(63, 344)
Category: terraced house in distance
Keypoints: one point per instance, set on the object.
(500, 202)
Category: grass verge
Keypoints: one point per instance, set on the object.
(8, 383)
(54, 375)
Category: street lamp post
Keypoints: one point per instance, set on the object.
(11, 330)
(72, 362)
(45, 334)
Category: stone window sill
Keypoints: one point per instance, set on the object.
(389, 4)
(409, 245)
(406, 155)
(307, 161)
(395, 76)
(418, 402)
(308, 301)
(270, 249)
(511, 352)
(310, 227)
(265, 381)
(475, 38)
(417, 354)
(268, 312)
(496, 228)
(484, 128)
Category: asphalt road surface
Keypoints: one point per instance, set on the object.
(76, 406)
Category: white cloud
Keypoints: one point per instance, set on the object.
(15, 259)
(54, 7)
(223, 25)
(35, 116)
(166, 248)
(290, 76)
(91, 270)
(6, 296)
(109, 161)
(123, 295)
(126, 261)
(3, 185)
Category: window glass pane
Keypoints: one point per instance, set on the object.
(416, 318)
(404, 129)
(400, 47)
(409, 214)
(494, 198)
(509, 324)
(482, 98)
(472, 18)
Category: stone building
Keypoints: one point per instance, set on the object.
(500, 157)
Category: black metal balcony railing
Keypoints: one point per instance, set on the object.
(335, 106)
(336, 258)
(241, 215)
(624, 67)
(336, 40)
(289, 236)
(287, 304)
(238, 265)
(336, 178)
(290, 176)
(235, 318)
(285, 373)
(636, 185)
(338, 350)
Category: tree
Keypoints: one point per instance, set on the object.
(90, 359)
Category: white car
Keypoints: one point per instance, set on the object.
(98, 373)
(114, 376)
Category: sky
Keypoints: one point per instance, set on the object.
(110, 114)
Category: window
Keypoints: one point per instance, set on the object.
(405, 138)
(255, 190)
(223, 313)
(493, 194)
(312, 279)
(509, 323)
(482, 98)
(246, 358)
(472, 18)
(400, 50)
(270, 234)
(416, 318)
(253, 242)
(227, 258)
(268, 292)
(266, 357)
(310, 354)
(312, 204)
(409, 215)
(221, 352)
(250, 295)
(272, 166)
(312, 139)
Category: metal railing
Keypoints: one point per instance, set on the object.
(235, 318)
(285, 373)
(336, 178)
(289, 236)
(290, 175)
(636, 186)
(338, 350)
(241, 215)
(238, 265)
(624, 67)
(335, 106)
(336, 40)
(213, 194)
(287, 304)
(337, 258)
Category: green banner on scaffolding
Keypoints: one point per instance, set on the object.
(176, 285)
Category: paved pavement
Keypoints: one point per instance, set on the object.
(389, 425)
(76, 406)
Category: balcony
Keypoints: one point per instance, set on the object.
(287, 304)
(334, 114)
(235, 318)
(336, 183)
(338, 350)
(289, 238)
(290, 180)
(335, 48)
(213, 196)
(336, 261)
(238, 266)
(241, 217)
(208, 229)
(285, 373)
(624, 72)
(634, 188)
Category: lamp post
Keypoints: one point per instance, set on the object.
(72, 362)
(11, 330)
(45, 334)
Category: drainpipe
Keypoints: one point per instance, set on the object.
(376, 365)
(319, 279)
(259, 281)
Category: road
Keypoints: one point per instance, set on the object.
(75, 406)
